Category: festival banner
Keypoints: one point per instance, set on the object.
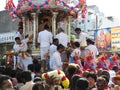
(102, 39)
(115, 39)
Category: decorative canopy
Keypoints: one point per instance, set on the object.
(71, 6)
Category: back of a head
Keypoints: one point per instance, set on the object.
(73, 81)
(19, 76)
(35, 61)
(31, 67)
(46, 27)
(26, 76)
(38, 86)
(2, 79)
(82, 84)
(77, 44)
(55, 39)
(37, 68)
(78, 29)
(60, 46)
(115, 68)
(89, 40)
(17, 38)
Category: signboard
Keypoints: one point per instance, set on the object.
(115, 39)
(7, 37)
(103, 39)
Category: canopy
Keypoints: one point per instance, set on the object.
(71, 6)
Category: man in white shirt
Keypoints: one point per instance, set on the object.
(53, 48)
(81, 37)
(22, 59)
(45, 39)
(56, 60)
(63, 38)
(93, 50)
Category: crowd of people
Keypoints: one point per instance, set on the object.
(65, 64)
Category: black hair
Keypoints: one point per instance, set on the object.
(38, 86)
(46, 27)
(89, 41)
(92, 75)
(37, 67)
(77, 44)
(60, 46)
(71, 70)
(82, 84)
(19, 76)
(35, 61)
(78, 29)
(55, 39)
(26, 76)
(115, 68)
(17, 38)
(31, 67)
(73, 81)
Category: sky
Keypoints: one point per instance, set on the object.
(108, 7)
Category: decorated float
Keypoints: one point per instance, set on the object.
(57, 13)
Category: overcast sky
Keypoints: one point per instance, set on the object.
(108, 7)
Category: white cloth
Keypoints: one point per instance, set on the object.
(43, 51)
(27, 86)
(76, 52)
(63, 38)
(45, 38)
(82, 39)
(22, 47)
(53, 48)
(112, 74)
(56, 61)
(93, 50)
(18, 35)
(26, 62)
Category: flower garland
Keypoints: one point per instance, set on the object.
(17, 11)
(81, 6)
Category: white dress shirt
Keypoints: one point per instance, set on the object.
(82, 39)
(63, 38)
(76, 52)
(53, 48)
(45, 38)
(22, 47)
(56, 61)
